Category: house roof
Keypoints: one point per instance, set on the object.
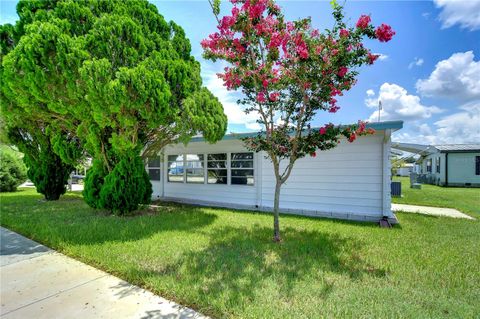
(458, 147)
(413, 148)
(378, 126)
(425, 150)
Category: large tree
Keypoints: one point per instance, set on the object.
(288, 72)
(49, 150)
(122, 76)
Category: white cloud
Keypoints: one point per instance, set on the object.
(416, 62)
(457, 77)
(397, 104)
(370, 92)
(232, 109)
(465, 13)
(457, 128)
(426, 15)
(381, 57)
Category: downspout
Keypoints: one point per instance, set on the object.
(386, 199)
(446, 169)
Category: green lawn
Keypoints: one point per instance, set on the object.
(466, 200)
(224, 264)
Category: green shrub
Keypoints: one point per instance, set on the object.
(127, 186)
(93, 184)
(48, 173)
(12, 171)
(121, 190)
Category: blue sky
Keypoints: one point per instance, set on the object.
(428, 76)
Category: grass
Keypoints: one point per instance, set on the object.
(466, 200)
(224, 264)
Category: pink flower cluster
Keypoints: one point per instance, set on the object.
(342, 71)
(363, 22)
(372, 58)
(344, 33)
(384, 33)
(301, 47)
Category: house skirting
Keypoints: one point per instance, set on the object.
(298, 212)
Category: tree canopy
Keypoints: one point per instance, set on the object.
(288, 72)
(115, 74)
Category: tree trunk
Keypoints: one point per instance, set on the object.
(276, 213)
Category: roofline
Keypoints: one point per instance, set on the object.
(378, 126)
(460, 151)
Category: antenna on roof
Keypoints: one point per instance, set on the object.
(379, 109)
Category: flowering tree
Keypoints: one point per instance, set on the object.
(287, 72)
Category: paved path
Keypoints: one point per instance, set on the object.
(435, 211)
(37, 282)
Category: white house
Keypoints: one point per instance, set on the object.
(406, 169)
(446, 165)
(452, 165)
(351, 181)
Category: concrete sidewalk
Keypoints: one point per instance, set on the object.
(427, 210)
(37, 282)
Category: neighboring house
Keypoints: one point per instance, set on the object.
(351, 181)
(447, 165)
(406, 169)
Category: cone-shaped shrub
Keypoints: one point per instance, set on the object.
(127, 186)
(93, 184)
(48, 173)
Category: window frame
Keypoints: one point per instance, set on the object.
(437, 165)
(231, 169)
(186, 168)
(208, 169)
(176, 161)
(159, 167)
(429, 165)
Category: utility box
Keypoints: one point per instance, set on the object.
(396, 189)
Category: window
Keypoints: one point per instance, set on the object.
(241, 165)
(477, 165)
(217, 168)
(437, 165)
(195, 169)
(154, 168)
(429, 165)
(175, 168)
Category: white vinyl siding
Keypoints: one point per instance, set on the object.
(345, 181)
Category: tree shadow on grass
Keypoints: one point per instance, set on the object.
(239, 263)
(70, 221)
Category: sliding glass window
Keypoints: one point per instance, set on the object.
(217, 168)
(195, 168)
(175, 168)
(154, 168)
(242, 172)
